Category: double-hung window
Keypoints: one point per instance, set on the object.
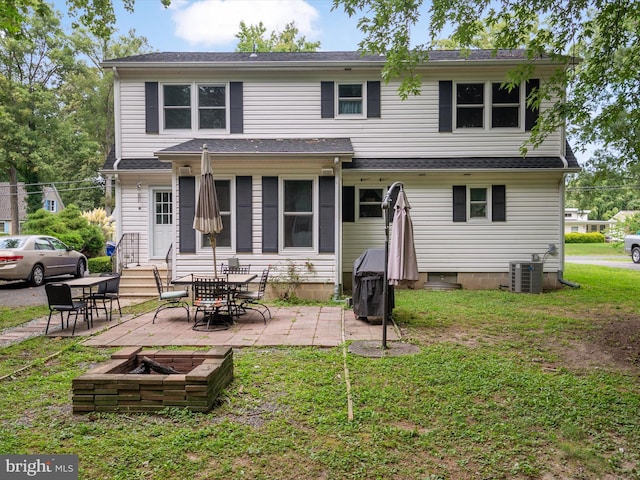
(370, 203)
(177, 107)
(212, 107)
(505, 106)
(223, 194)
(478, 203)
(298, 218)
(470, 105)
(350, 98)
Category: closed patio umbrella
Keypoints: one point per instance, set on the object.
(207, 217)
(402, 264)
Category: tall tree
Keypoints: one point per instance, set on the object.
(604, 96)
(252, 38)
(32, 68)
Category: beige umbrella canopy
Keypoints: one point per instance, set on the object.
(207, 217)
(402, 263)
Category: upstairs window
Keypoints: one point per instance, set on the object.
(177, 106)
(469, 105)
(350, 99)
(212, 107)
(505, 108)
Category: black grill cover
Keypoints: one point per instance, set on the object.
(368, 284)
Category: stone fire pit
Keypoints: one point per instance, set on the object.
(110, 388)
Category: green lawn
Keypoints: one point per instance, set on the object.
(505, 386)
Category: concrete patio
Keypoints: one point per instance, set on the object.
(318, 326)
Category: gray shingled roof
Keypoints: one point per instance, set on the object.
(340, 146)
(464, 163)
(265, 146)
(307, 57)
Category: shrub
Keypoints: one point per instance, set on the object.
(69, 226)
(584, 238)
(100, 264)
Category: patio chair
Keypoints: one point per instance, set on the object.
(61, 300)
(108, 291)
(211, 297)
(169, 298)
(253, 299)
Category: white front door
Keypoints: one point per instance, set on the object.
(162, 212)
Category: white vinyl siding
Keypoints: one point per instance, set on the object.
(277, 107)
(533, 221)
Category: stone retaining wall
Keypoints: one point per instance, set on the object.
(109, 388)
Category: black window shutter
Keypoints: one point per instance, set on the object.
(531, 113)
(244, 214)
(498, 203)
(326, 99)
(393, 198)
(152, 115)
(459, 203)
(270, 214)
(348, 204)
(373, 100)
(187, 192)
(327, 216)
(236, 113)
(445, 122)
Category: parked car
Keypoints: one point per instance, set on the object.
(632, 247)
(35, 257)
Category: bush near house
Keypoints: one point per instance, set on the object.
(69, 226)
(584, 238)
(100, 264)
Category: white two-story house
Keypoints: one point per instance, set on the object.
(305, 145)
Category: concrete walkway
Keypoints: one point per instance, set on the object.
(290, 326)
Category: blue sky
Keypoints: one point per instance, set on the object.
(211, 25)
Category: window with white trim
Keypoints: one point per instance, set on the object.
(298, 214)
(492, 103)
(223, 193)
(202, 105)
(478, 203)
(350, 99)
(50, 205)
(370, 202)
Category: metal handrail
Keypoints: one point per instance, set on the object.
(168, 258)
(126, 252)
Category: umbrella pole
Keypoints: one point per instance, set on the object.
(385, 285)
(212, 239)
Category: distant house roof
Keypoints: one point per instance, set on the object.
(300, 58)
(5, 202)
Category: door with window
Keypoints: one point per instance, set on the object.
(162, 222)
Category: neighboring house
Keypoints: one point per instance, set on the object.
(5, 206)
(577, 221)
(304, 147)
(51, 200)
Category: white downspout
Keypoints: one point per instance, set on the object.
(338, 276)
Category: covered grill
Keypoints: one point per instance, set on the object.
(368, 283)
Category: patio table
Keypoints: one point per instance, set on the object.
(87, 284)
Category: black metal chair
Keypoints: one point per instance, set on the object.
(211, 297)
(169, 298)
(61, 300)
(253, 299)
(108, 291)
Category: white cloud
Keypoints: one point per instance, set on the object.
(216, 22)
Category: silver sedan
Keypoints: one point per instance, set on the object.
(35, 257)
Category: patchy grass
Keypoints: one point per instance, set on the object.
(505, 386)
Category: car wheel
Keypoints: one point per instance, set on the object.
(635, 254)
(82, 266)
(37, 275)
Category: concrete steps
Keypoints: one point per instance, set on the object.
(138, 282)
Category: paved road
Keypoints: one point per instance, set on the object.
(21, 294)
(624, 262)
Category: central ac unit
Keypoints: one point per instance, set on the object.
(526, 277)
